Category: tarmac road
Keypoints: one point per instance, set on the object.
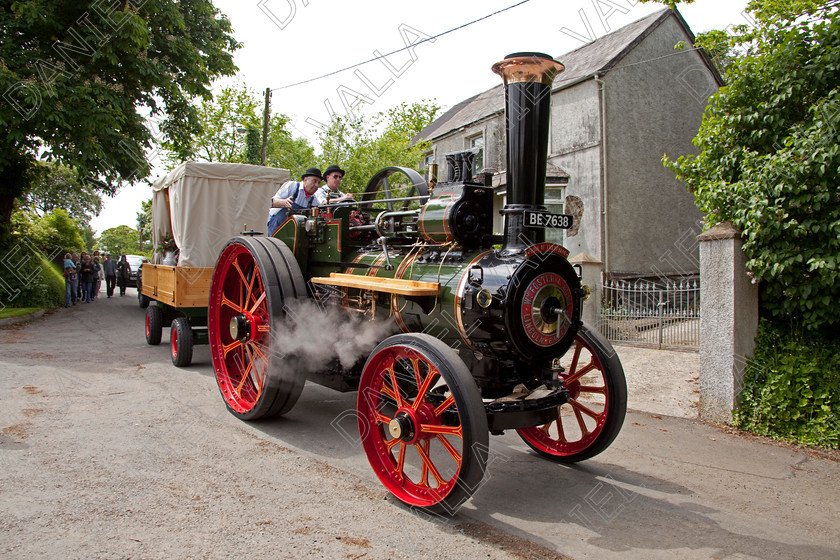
(108, 451)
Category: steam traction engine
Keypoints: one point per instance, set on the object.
(491, 337)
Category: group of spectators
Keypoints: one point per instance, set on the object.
(308, 192)
(83, 276)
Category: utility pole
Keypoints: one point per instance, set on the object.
(265, 125)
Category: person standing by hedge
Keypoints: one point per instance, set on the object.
(80, 285)
(88, 275)
(123, 271)
(109, 268)
(69, 278)
(76, 280)
(98, 277)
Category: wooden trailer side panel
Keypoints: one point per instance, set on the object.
(178, 286)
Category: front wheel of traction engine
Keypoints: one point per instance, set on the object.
(591, 420)
(254, 278)
(422, 422)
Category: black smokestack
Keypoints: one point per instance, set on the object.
(528, 77)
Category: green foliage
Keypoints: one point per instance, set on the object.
(769, 156)
(27, 277)
(285, 151)
(88, 236)
(220, 120)
(58, 186)
(17, 311)
(253, 145)
(80, 78)
(363, 145)
(144, 225)
(120, 240)
(55, 232)
(792, 387)
(718, 45)
(231, 131)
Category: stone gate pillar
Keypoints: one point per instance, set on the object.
(590, 268)
(728, 320)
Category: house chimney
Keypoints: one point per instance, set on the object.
(527, 77)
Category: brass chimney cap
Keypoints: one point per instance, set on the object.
(528, 67)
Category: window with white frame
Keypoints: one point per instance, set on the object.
(428, 159)
(477, 142)
(555, 196)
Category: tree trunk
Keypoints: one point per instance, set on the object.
(15, 171)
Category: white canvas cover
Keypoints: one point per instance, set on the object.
(202, 205)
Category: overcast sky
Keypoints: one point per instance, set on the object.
(289, 41)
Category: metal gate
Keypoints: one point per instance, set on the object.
(657, 314)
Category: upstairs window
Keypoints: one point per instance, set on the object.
(477, 142)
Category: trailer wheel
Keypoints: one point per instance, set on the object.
(592, 418)
(142, 300)
(181, 342)
(422, 422)
(154, 325)
(254, 279)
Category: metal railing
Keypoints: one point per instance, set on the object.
(662, 314)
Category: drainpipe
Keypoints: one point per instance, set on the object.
(605, 234)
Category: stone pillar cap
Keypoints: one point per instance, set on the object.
(584, 258)
(724, 230)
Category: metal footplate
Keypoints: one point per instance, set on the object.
(525, 409)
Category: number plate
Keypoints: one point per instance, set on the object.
(547, 220)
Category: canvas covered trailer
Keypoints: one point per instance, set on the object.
(198, 206)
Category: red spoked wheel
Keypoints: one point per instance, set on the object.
(422, 422)
(591, 420)
(254, 278)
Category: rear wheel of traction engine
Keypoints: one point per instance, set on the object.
(181, 342)
(154, 324)
(591, 420)
(422, 422)
(253, 279)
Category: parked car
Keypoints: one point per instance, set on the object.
(135, 261)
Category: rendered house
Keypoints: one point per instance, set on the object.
(623, 101)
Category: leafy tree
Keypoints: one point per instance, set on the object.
(58, 186)
(54, 232)
(231, 125)
(144, 224)
(253, 145)
(79, 79)
(222, 119)
(285, 151)
(88, 235)
(716, 43)
(362, 145)
(769, 156)
(119, 240)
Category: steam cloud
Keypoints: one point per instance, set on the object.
(311, 337)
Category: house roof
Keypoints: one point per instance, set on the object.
(597, 57)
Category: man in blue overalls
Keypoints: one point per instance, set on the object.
(293, 195)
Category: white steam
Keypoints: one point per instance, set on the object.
(310, 337)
